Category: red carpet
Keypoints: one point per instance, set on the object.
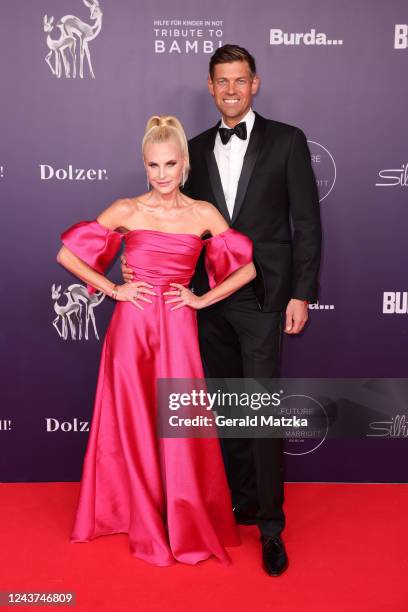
(347, 547)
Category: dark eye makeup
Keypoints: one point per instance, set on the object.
(169, 163)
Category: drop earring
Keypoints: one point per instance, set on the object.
(148, 183)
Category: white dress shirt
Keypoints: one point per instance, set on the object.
(230, 158)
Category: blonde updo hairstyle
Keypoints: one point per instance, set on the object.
(161, 128)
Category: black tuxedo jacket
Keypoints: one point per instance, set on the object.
(276, 205)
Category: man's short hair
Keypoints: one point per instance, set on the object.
(232, 53)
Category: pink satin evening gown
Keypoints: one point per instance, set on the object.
(170, 495)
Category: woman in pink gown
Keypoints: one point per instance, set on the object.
(170, 495)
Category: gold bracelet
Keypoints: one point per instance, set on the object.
(114, 292)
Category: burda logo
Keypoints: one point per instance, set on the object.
(401, 36)
(48, 172)
(395, 302)
(318, 306)
(279, 37)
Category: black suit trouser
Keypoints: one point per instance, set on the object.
(238, 340)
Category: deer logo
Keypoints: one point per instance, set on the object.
(57, 48)
(70, 315)
(72, 31)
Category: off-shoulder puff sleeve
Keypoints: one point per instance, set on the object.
(225, 253)
(95, 244)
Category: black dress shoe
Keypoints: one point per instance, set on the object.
(245, 515)
(274, 557)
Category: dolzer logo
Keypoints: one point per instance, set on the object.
(70, 315)
(74, 33)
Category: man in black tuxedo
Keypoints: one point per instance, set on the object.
(258, 173)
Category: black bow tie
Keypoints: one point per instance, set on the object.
(239, 130)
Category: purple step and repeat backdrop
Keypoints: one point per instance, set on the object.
(71, 127)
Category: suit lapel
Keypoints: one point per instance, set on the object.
(214, 175)
(251, 155)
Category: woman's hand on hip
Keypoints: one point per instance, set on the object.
(183, 297)
(132, 292)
